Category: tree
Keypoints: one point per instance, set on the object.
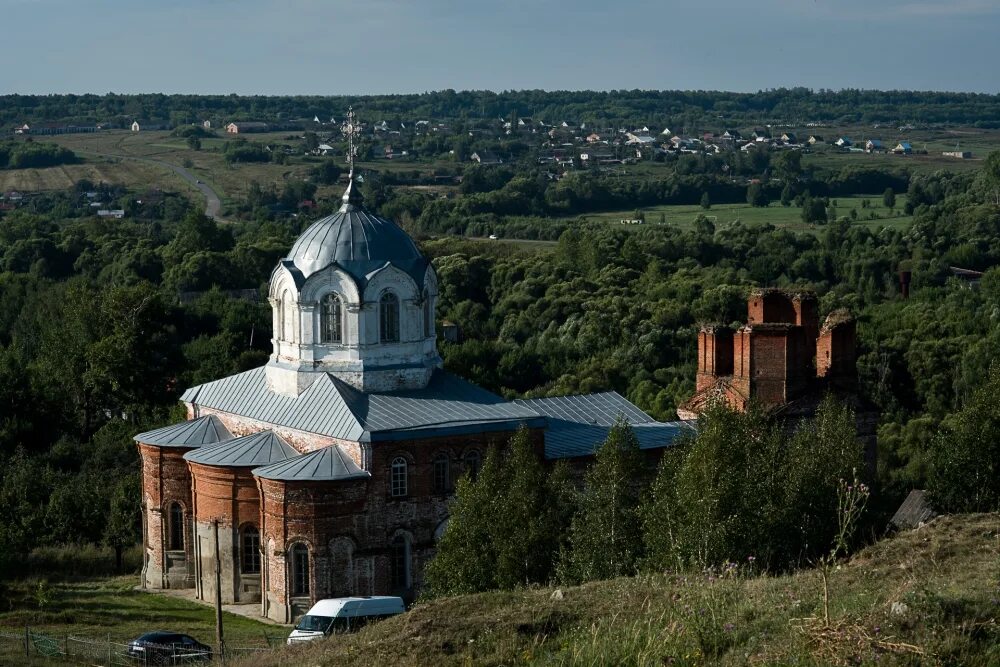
(756, 196)
(787, 195)
(889, 198)
(706, 200)
(605, 540)
(194, 143)
(121, 530)
(991, 173)
(326, 173)
(741, 488)
(466, 554)
(788, 165)
(310, 141)
(964, 471)
(526, 512)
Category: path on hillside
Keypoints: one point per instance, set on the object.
(213, 203)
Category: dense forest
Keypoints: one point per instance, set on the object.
(666, 108)
(104, 322)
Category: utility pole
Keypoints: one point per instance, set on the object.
(218, 596)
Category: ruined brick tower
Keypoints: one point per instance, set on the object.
(782, 358)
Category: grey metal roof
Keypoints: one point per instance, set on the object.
(578, 425)
(323, 465)
(566, 439)
(207, 430)
(601, 409)
(359, 242)
(258, 449)
(448, 405)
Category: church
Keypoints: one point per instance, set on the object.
(328, 471)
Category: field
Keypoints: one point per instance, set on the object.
(928, 596)
(131, 174)
(138, 160)
(780, 216)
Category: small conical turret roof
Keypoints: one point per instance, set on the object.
(207, 430)
(323, 465)
(250, 451)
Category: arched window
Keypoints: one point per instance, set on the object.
(250, 551)
(287, 317)
(300, 569)
(400, 549)
(473, 462)
(331, 321)
(442, 473)
(389, 318)
(176, 526)
(397, 477)
(428, 316)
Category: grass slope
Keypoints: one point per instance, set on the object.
(102, 608)
(928, 596)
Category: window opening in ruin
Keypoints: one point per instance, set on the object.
(389, 318)
(176, 527)
(400, 562)
(331, 319)
(398, 477)
(300, 570)
(442, 474)
(251, 551)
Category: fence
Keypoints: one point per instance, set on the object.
(35, 648)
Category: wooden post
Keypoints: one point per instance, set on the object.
(110, 654)
(27, 642)
(218, 596)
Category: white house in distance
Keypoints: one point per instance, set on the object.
(903, 148)
(873, 145)
(135, 126)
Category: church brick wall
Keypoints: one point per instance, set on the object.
(165, 479)
(349, 525)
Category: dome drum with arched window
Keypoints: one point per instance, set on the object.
(355, 298)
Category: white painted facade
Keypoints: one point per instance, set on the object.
(361, 358)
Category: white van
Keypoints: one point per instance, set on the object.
(344, 615)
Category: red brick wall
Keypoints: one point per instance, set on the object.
(715, 355)
(165, 479)
(226, 495)
(770, 307)
(364, 514)
(836, 356)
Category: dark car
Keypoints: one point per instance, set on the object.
(167, 648)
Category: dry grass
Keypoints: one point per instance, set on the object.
(945, 579)
(130, 174)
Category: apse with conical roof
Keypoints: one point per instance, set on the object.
(355, 298)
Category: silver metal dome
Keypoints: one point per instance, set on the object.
(357, 240)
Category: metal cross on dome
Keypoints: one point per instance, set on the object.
(351, 128)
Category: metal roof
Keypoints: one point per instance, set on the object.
(566, 439)
(323, 465)
(259, 449)
(578, 425)
(601, 409)
(357, 241)
(330, 407)
(207, 430)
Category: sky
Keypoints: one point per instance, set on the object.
(333, 47)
